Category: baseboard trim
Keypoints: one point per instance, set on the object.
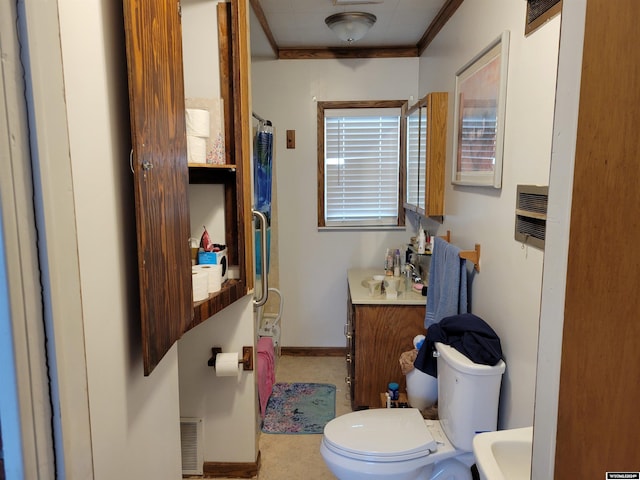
(314, 351)
(231, 470)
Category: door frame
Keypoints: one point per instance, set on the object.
(44, 288)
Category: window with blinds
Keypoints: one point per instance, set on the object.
(361, 166)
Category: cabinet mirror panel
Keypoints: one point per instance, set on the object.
(425, 151)
(416, 139)
(413, 157)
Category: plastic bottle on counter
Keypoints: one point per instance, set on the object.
(422, 240)
(397, 263)
(394, 391)
(388, 263)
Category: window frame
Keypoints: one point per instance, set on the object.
(359, 104)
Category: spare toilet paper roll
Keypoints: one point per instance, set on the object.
(198, 122)
(214, 272)
(196, 149)
(227, 365)
(200, 281)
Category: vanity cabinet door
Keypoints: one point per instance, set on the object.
(382, 334)
(349, 332)
(160, 174)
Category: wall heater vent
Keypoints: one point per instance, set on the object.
(191, 439)
(531, 214)
(540, 12)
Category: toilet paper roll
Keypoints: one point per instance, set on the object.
(198, 268)
(200, 281)
(227, 365)
(196, 149)
(214, 276)
(198, 122)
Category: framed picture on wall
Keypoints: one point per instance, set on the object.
(480, 100)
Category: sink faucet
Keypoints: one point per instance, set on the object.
(412, 272)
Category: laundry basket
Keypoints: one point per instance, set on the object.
(269, 323)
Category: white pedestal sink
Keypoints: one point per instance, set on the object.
(505, 454)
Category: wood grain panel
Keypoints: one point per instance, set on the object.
(313, 351)
(443, 16)
(350, 52)
(598, 421)
(320, 158)
(231, 469)
(231, 291)
(156, 97)
(437, 107)
(382, 334)
(226, 75)
(227, 89)
(242, 138)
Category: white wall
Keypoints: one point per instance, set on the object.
(507, 291)
(200, 48)
(201, 61)
(313, 264)
(227, 406)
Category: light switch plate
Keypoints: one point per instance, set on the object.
(291, 139)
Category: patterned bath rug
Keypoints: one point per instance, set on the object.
(296, 408)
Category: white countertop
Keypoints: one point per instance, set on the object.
(360, 292)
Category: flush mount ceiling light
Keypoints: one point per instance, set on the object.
(350, 26)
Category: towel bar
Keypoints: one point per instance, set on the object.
(472, 255)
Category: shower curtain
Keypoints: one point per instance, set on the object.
(262, 162)
(262, 180)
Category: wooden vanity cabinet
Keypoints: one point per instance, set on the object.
(153, 40)
(377, 334)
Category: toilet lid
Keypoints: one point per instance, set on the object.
(381, 432)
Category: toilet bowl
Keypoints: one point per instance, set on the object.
(422, 389)
(398, 444)
(391, 443)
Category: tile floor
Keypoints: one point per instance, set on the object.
(295, 457)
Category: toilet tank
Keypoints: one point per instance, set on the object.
(468, 396)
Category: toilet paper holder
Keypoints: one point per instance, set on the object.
(246, 360)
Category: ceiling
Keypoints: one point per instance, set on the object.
(296, 28)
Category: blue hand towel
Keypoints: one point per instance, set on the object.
(447, 294)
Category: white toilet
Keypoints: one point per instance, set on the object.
(398, 444)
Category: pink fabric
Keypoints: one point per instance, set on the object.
(266, 371)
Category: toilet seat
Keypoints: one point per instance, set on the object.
(380, 435)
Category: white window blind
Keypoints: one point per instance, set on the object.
(362, 156)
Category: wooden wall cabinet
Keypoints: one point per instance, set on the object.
(153, 36)
(377, 334)
(425, 155)
(235, 175)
